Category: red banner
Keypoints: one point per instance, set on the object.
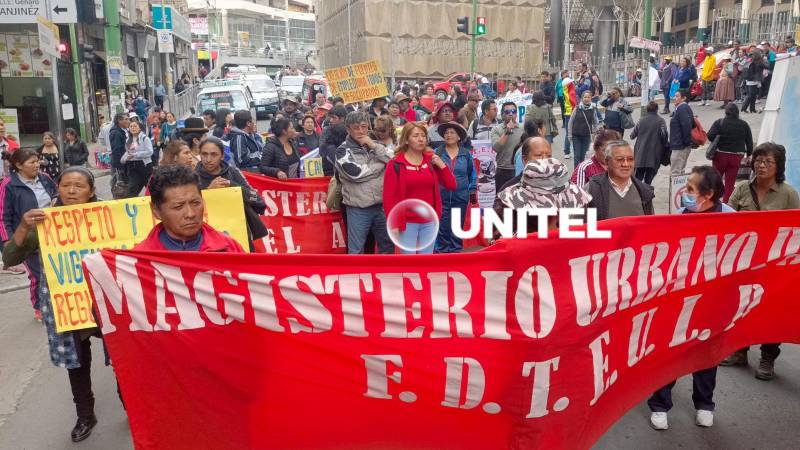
(526, 344)
(297, 218)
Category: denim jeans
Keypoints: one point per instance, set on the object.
(580, 144)
(566, 139)
(447, 242)
(359, 223)
(417, 234)
(703, 384)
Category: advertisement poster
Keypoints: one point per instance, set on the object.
(486, 156)
(5, 64)
(357, 82)
(9, 116)
(19, 54)
(41, 62)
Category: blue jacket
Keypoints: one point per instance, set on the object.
(16, 199)
(246, 149)
(686, 75)
(680, 127)
(466, 178)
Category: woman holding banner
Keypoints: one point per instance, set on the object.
(70, 349)
(415, 173)
(458, 158)
(23, 190)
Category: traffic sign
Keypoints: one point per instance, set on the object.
(26, 11)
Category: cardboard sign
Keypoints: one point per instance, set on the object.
(486, 156)
(69, 233)
(357, 82)
(312, 168)
(677, 185)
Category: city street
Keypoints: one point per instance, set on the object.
(36, 409)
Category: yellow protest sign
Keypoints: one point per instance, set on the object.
(69, 233)
(312, 167)
(357, 82)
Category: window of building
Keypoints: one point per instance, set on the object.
(303, 31)
(681, 15)
(275, 33)
(694, 11)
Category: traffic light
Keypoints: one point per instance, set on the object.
(480, 26)
(463, 25)
(88, 52)
(64, 51)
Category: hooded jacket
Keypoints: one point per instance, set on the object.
(360, 173)
(246, 149)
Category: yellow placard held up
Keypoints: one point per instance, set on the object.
(312, 167)
(357, 82)
(69, 233)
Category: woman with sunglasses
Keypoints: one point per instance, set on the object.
(384, 132)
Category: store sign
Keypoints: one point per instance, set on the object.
(165, 44)
(48, 37)
(115, 70)
(198, 25)
(141, 72)
(26, 11)
(162, 17)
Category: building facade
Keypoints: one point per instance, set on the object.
(419, 39)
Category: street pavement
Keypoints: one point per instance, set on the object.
(37, 413)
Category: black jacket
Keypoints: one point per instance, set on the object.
(680, 127)
(245, 149)
(309, 142)
(328, 145)
(549, 92)
(734, 135)
(76, 154)
(599, 186)
(254, 204)
(652, 141)
(117, 136)
(274, 159)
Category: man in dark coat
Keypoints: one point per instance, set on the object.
(617, 193)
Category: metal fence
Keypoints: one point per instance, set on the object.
(181, 104)
(772, 26)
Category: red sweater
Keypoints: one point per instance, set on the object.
(404, 180)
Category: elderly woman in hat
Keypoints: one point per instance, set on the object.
(544, 184)
(458, 158)
(725, 91)
(415, 173)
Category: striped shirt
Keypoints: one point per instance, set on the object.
(586, 170)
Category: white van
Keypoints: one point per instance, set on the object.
(231, 94)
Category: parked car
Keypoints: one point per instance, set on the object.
(441, 88)
(291, 85)
(265, 94)
(231, 94)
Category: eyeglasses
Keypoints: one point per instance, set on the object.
(509, 111)
(764, 162)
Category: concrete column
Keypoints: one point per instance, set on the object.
(603, 33)
(702, 22)
(666, 37)
(744, 24)
(556, 32)
(225, 37)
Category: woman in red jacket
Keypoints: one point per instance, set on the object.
(415, 173)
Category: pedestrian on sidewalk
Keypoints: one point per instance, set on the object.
(707, 76)
(652, 143)
(25, 188)
(137, 160)
(725, 91)
(616, 106)
(69, 349)
(769, 191)
(680, 133)
(569, 101)
(49, 155)
(668, 73)
(541, 111)
(753, 77)
(75, 151)
(703, 195)
(159, 93)
(582, 127)
(735, 143)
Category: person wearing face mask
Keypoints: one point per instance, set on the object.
(703, 195)
(531, 149)
(769, 191)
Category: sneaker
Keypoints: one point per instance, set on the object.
(658, 420)
(738, 358)
(37, 315)
(568, 156)
(766, 369)
(13, 270)
(704, 418)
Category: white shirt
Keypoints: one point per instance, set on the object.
(621, 190)
(42, 197)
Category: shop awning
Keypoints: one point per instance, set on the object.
(130, 77)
